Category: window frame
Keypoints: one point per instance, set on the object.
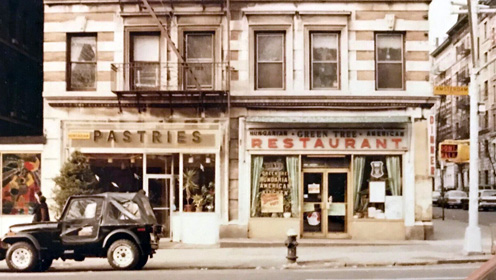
(199, 61)
(338, 58)
(283, 62)
(132, 62)
(69, 61)
(377, 62)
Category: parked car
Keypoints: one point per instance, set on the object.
(487, 199)
(118, 226)
(465, 201)
(436, 196)
(454, 198)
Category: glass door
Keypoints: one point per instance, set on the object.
(158, 189)
(336, 202)
(324, 203)
(313, 188)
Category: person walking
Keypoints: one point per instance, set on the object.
(41, 213)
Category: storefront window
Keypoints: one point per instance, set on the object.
(117, 172)
(199, 182)
(275, 186)
(377, 187)
(21, 174)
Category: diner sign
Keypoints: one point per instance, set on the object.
(392, 139)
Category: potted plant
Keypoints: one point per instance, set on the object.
(190, 186)
(198, 201)
(208, 193)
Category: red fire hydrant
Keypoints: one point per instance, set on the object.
(291, 244)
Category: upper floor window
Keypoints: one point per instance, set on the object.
(199, 55)
(270, 58)
(389, 59)
(81, 64)
(324, 60)
(144, 60)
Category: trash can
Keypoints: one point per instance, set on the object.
(493, 238)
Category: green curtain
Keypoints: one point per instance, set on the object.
(294, 181)
(394, 174)
(358, 169)
(256, 170)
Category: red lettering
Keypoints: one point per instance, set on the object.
(288, 143)
(431, 118)
(334, 145)
(397, 142)
(432, 140)
(382, 144)
(433, 170)
(365, 144)
(348, 142)
(318, 143)
(273, 143)
(432, 160)
(304, 141)
(256, 143)
(433, 150)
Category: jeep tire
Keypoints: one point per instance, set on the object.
(123, 254)
(45, 264)
(142, 261)
(22, 257)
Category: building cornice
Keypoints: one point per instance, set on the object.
(98, 2)
(441, 47)
(291, 102)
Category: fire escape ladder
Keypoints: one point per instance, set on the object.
(171, 44)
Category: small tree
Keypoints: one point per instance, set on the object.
(75, 178)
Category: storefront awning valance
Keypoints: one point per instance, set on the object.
(328, 119)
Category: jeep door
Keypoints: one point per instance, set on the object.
(80, 222)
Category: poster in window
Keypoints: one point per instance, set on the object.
(21, 174)
(272, 202)
(314, 188)
(377, 190)
(394, 207)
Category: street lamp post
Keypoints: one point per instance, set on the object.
(473, 242)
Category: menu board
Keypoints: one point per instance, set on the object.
(273, 186)
(272, 202)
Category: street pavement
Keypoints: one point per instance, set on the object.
(445, 248)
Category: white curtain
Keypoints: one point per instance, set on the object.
(294, 181)
(358, 169)
(256, 170)
(394, 174)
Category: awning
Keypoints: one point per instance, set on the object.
(328, 119)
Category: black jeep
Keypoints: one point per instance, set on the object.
(119, 226)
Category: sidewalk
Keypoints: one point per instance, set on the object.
(316, 253)
(256, 254)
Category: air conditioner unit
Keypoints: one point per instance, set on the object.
(147, 77)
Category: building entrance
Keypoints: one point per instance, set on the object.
(324, 203)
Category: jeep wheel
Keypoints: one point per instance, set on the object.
(22, 257)
(142, 261)
(123, 254)
(45, 264)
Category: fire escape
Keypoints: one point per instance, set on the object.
(178, 83)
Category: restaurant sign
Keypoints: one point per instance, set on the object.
(373, 139)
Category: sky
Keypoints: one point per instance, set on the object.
(440, 20)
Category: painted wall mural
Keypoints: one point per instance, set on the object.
(21, 174)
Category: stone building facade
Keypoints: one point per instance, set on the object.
(451, 67)
(314, 116)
